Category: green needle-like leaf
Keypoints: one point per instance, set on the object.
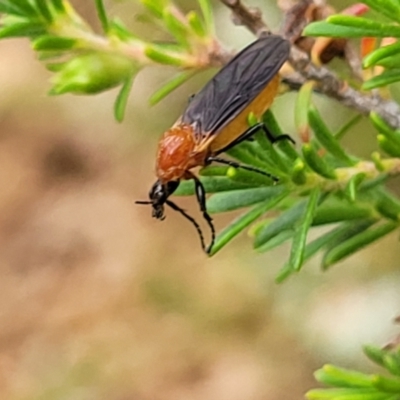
(389, 8)
(43, 8)
(122, 99)
(53, 43)
(381, 53)
(58, 5)
(102, 14)
(21, 29)
(301, 230)
(276, 241)
(206, 9)
(316, 162)
(176, 27)
(303, 102)
(170, 86)
(242, 222)
(322, 28)
(282, 223)
(367, 26)
(212, 184)
(385, 384)
(21, 8)
(232, 200)
(196, 24)
(375, 354)
(327, 139)
(160, 55)
(299, 176)
(356, 243)
(334, 210)
(251, 177)
(389, 146)
(340, 377)
(284, 145)
(352, 186)
(384, 79)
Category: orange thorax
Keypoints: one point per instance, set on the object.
(177, 153)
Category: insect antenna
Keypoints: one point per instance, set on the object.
(196, 225)
(143, 202)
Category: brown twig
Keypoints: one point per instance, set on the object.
(328, 83)
(251, 18)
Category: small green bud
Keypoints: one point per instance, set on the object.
(92, 73)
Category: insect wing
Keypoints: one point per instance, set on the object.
(236, 85)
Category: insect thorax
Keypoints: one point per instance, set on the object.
(176, 153)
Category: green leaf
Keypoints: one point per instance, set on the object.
(389, 8)
(284, 145)
(375, 354)
(170, 86)
(380, 53)
(196, 24)
(327, 139)
(346, 127)
(156, 7)
(299, 176)
(346, 394)
(251, 177)
(122, 99)
(234, 199)
(384, 384)
(58, 5)
(270, 155)
(176, 27)
(214, 170)
(53, 43)
(301, 231)
(92, 73)
(340, 377)
(327, 29)
(386, 204)
(242, 222)
(43, 8)
(118, 28)
(384, 79)
(388, 146)
(352, 186)
(356, 243)
(20, 8)
(206, 9)
(276, 241)
(336, 211)
(392, 62)
(251, 154)
(392, 363)
(212, 184)
(102, 14)
(282, 223)
(303, 102)
(385, 129)
(160, 55)
(316, 162)
(21, 29)
(367, 26)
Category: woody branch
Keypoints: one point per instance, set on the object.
(327, 81)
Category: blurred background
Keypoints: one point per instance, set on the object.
(100, 301)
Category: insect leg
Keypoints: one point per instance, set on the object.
(201, 198)
(192, 220)
(274, 139)
(250, 132)
(242, 166)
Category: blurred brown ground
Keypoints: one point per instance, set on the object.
(98, 301)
